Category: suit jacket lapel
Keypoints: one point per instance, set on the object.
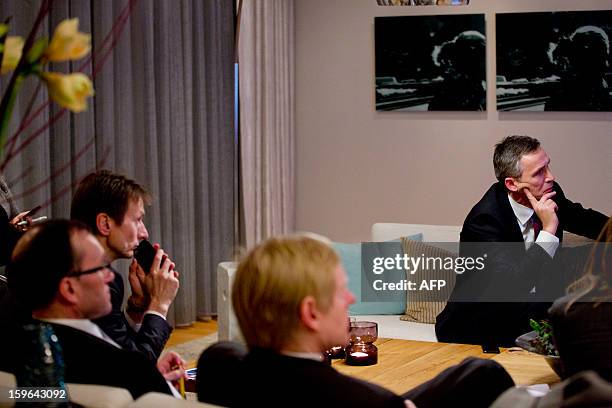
(512, 230)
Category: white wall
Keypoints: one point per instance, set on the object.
(356, 166)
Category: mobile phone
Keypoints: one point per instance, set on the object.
(32, 211)
(31, 222)
(144, 254)
(490, 349)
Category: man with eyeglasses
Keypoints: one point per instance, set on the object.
(112, 206)
(60, 273)
(525, 206)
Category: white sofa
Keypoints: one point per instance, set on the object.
(389, 326)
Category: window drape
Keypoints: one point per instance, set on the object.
(267, 118)
(162, 114)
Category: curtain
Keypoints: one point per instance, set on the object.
(162, 114)
(267, 118)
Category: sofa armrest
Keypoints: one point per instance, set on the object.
(99, 396)
(228, 324)
(156, 399)
(87, 395)
(7, 380)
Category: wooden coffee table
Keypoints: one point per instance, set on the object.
(404, 364)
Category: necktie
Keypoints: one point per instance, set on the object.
(537, 226)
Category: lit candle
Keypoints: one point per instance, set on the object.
(362, 358)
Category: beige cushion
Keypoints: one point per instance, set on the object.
(99, 396)
(420, 305)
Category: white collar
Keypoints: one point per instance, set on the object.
(303, 354)
(84, 325)
(523, 214)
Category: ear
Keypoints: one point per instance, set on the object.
(103, 224)
(309, 313)
(67, 291)
(511, 184)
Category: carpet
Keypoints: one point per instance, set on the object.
(191, 350)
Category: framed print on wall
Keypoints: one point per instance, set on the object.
(556, 61)
(430, 63)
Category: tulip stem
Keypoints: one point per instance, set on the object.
(10, 144)
(8, 104)
(8, 100)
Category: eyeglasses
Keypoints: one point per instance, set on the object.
(92, 270)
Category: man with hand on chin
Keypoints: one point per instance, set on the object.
(525, 205)
(113, 207)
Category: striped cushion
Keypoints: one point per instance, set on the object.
(419, 304)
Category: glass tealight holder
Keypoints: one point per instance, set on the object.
(336, 352)
(361, 351)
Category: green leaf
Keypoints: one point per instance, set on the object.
(37, 49)
(3, 29)
(535, 325)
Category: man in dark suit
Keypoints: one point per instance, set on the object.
(291, 299)
(60, 273)
(113, 207)
(526, 206)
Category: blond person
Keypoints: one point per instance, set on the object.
(291, 299)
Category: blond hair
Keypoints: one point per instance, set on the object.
(271, 282)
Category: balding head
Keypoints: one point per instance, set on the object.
(42, 257)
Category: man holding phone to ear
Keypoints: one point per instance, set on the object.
(113, 207)
(525, 205)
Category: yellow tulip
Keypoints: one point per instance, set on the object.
(12, 54)
(67, 42)
(69, 91)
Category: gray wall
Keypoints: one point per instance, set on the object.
(356, 166)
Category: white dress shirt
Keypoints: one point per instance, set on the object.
(546, 240)
(303, 354)
(136, 326)
(84, 325)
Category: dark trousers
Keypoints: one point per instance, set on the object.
(472, 383)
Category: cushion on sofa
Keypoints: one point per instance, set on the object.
(422, 305)
(350, 256)
(99, 396)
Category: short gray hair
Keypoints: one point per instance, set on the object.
(508, 153)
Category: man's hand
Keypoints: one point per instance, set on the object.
(136, 278)
(409, 404)
(171, 366)
(546, 210)
(22, 216)
(161, 284)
